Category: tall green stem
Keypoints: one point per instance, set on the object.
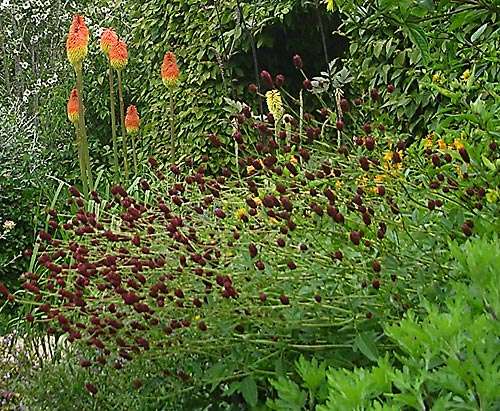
(134, 153)
(113, 120)
(122, 116)
(81, 160)
(172, 129)
(84, 149)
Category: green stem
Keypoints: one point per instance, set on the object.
(172, 130)
(82, 132)
(113, 120)
(81, 160)
(134, 153)
(122, 116)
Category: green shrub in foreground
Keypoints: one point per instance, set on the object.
(448, 360)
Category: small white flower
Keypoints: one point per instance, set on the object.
(8, 225)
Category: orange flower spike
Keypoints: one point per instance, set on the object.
(169, 71)
(118, 55)
(78, 25)
(108, 38)
(132, 121)
(73, 106)
(77, 42)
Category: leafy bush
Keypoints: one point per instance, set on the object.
(405, 43)
(23, 162)
(446, 361)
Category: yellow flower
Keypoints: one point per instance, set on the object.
(197, 317)
(258, 201)
(250, 169)
(428, 143)
(465, 75)
(491, 196)
(339, 184)
(458, 144)
(240, 213)
(294, 159)
(362, 180)
(274, 103)
(380, 178)
(273, 220)
(329, 4)
(387, 156)
(442, 144)
(435, 78)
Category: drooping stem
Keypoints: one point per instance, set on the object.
(122, 116)
(84, 151)
(113, 120)
(172, 128)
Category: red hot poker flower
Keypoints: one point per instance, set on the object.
(170, 71)
(118, 55)
(77, 42)
(73, 106)
(132, 121)
(108, 38)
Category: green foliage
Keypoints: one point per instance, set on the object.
(22, 164)
(448, 360)
(403, 43)
(313, 261)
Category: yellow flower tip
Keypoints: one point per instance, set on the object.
(294, 159)
(250, 169)
(170, 71)
(435, 78)
(118, 55)
(258, 201)
(132, 121)
(442, 144)
(108, 38)
(77, 42)
(73, 106)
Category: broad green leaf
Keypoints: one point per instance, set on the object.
(418, 37)
(249, 391)
(478, 32)
(364, 342)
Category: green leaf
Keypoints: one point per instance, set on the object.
(249, 391)
(478, 32)
(418, 38)
(312, 373)
(365, 343)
